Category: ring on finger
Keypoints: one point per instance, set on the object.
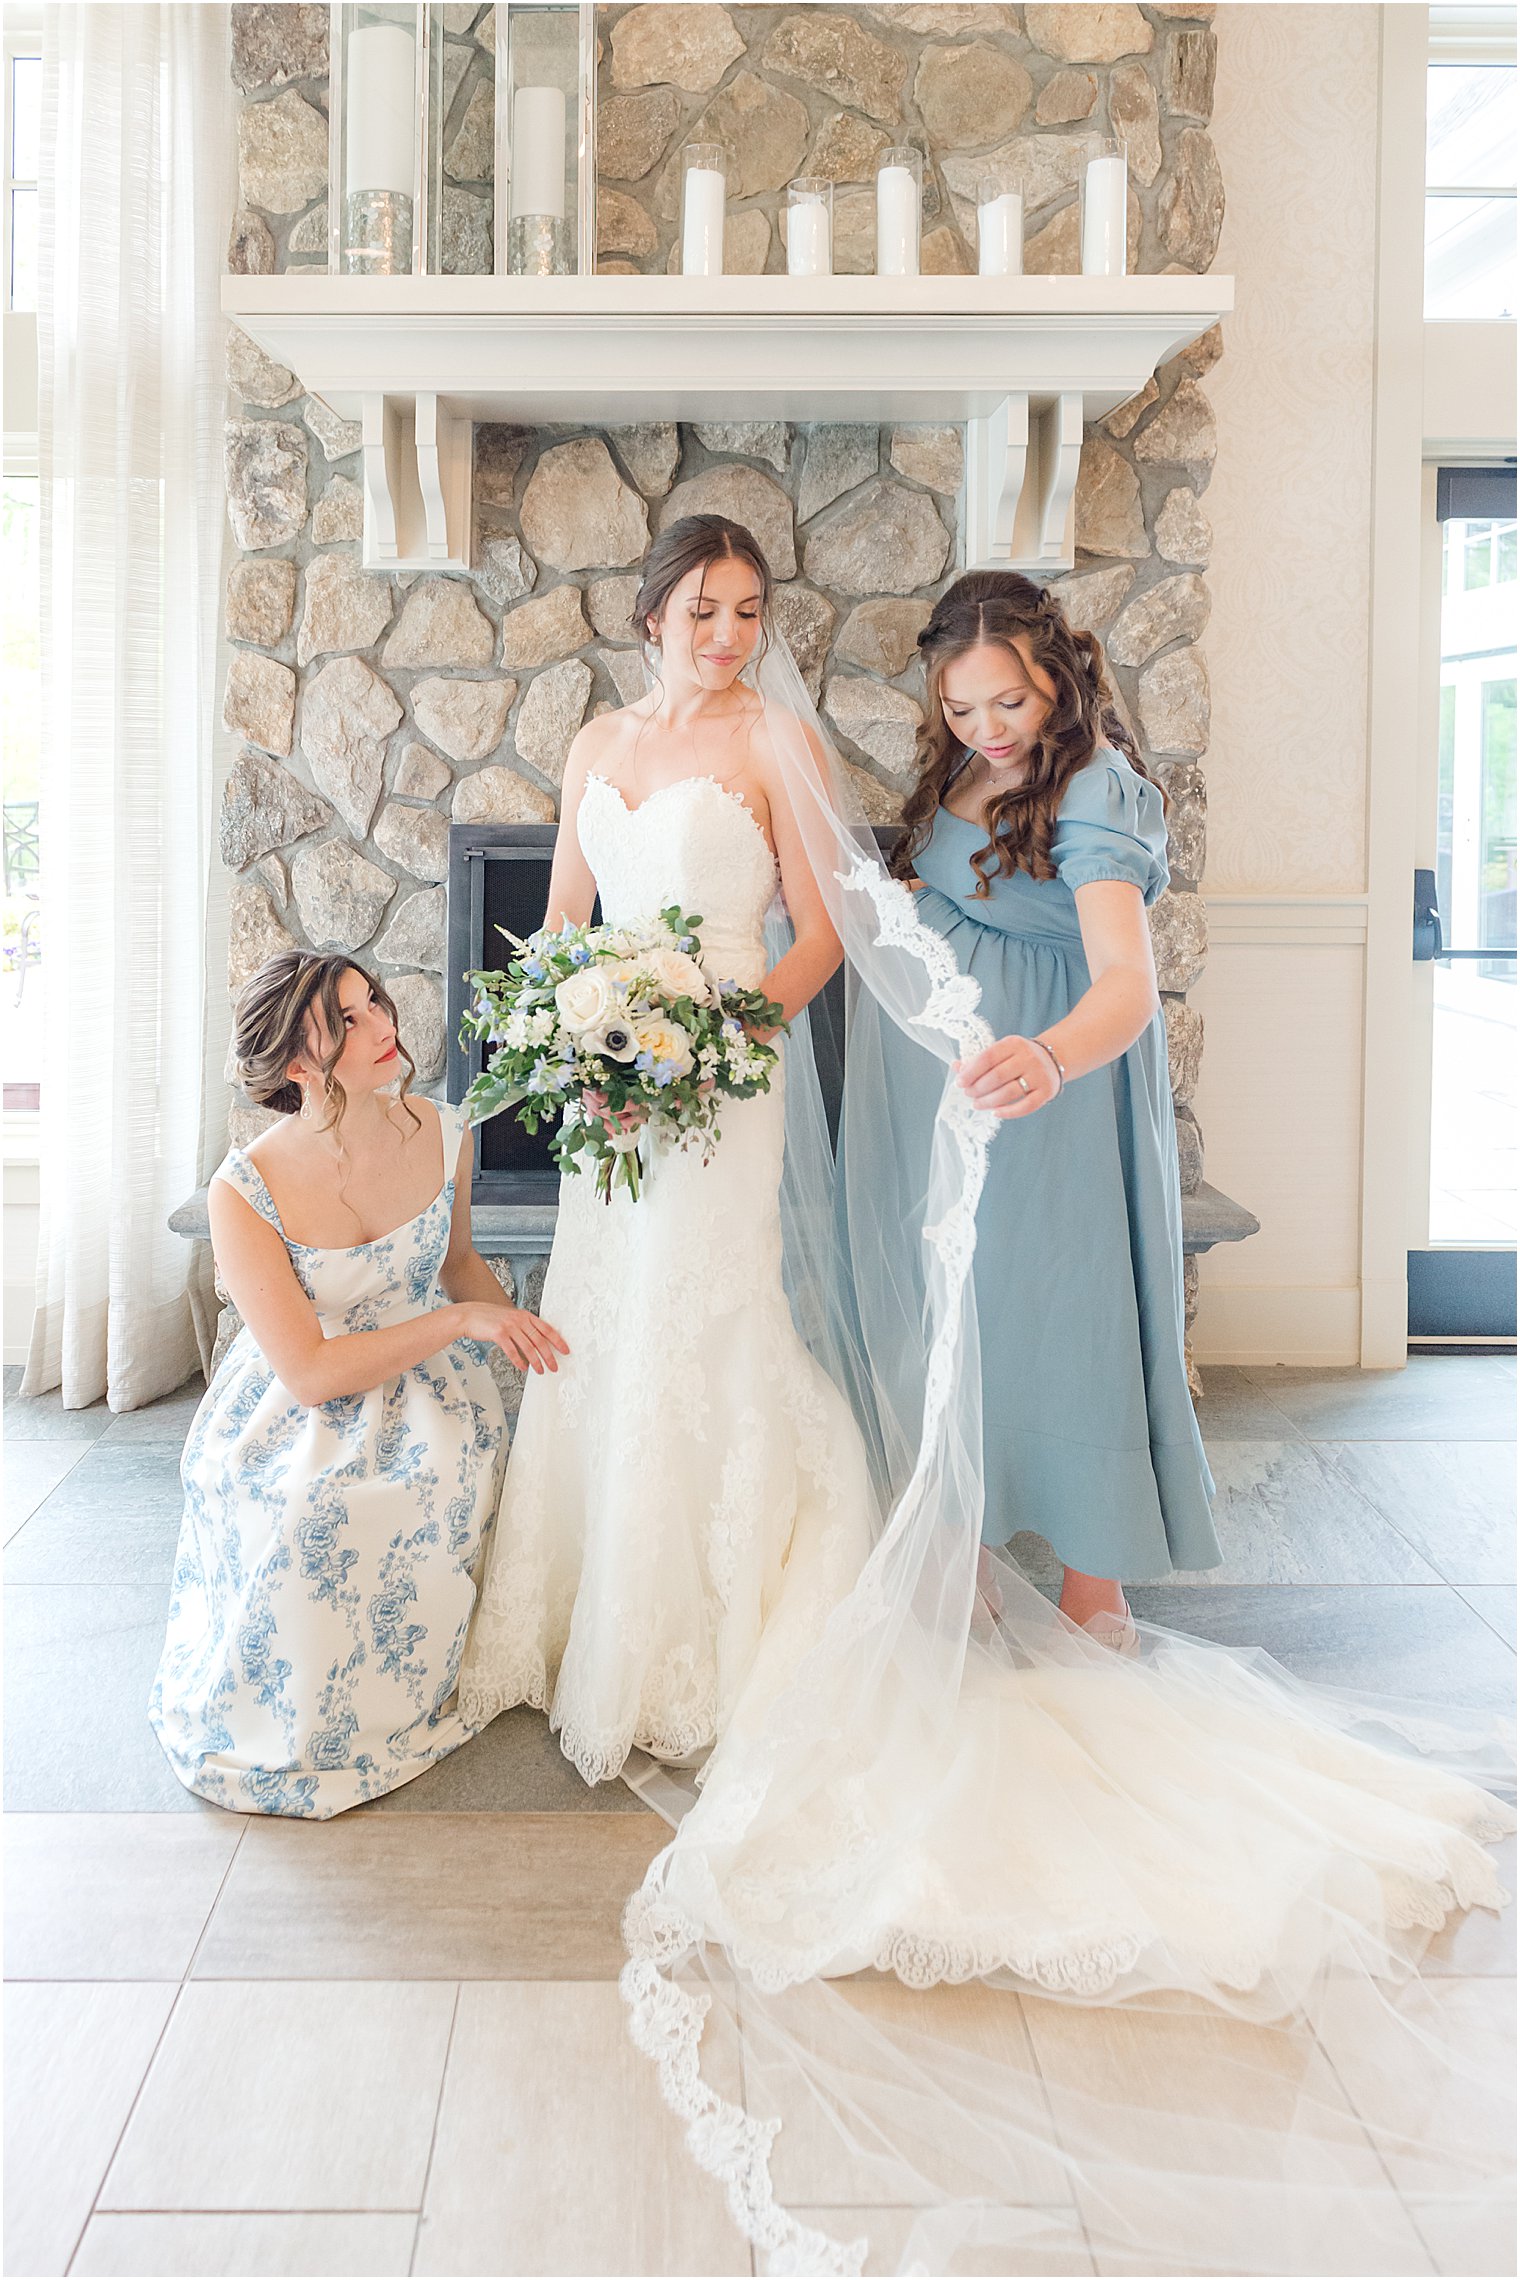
(1023, 1084)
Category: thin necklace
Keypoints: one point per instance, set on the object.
(691, 739)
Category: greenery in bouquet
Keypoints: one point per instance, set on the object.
(617, 1033)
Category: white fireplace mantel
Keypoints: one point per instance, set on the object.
(1022, 361)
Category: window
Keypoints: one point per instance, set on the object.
(1473, 1123)
(23, 120)
(1470, 151)
(20, 672)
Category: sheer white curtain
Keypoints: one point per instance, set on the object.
(136, 187)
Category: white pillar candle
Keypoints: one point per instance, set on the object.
(1000, 235)
(896, 223)
(702, 224)
(380, 109)
(538, 151)
(1104, 194)
(808, 251)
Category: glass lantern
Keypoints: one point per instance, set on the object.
(385, 98)
(545, 138)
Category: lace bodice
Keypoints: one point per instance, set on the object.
(695, 843)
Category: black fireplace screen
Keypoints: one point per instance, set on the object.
(499, 877)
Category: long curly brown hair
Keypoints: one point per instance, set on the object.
(1009, 611)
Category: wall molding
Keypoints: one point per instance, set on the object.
(1305, 1325)
(1285, 921)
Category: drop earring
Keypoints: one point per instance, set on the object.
(305, 1106)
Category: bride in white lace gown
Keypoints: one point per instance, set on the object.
(691, 1454)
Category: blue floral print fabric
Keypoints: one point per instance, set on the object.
(326, 1569)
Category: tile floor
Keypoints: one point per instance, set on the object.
(255, 2047)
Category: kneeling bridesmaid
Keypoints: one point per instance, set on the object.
(342, 1473)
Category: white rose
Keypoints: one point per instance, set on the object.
(665, 1041)
(585, 1000)
(678, 976)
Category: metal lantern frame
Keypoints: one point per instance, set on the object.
(426, 161)
(583, 125)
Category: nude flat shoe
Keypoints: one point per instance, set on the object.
(1115, 1632)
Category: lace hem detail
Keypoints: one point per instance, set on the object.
(666, 2025)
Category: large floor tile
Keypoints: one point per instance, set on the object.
(44, 1418)
(307, 2247)
(430, 1896)
(1442, 2107)
(74, 2058)
(1187, 2094)
(1496, 1605)
(111, 1895)
(951, 2030)
(79, 1662)
(114, 1518)
(1285, 1516)
(164, 1420)
(1418, 1642)
(1465, 2242)
(1235, 1409)
(1453, 1500)
(288, 2097)
(33, 1470)
(555, 2152)
(1480, 1944)
(1435, 1397)
(514, 1766)
(1014, 2241)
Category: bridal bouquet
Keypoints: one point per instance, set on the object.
(617, 1032)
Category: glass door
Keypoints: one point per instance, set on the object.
(1462, 1283)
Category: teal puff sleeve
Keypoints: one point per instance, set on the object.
(1112, 825)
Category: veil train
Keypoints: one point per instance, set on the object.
(1199, 1889)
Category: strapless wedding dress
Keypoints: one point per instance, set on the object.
(691, 1456)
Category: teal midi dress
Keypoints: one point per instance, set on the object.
(1088, 1428)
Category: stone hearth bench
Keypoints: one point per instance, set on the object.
(523, 1232)
(520, 1234)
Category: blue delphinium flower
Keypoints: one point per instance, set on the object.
(580, 955)
(534, 971)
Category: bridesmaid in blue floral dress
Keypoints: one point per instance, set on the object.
(342, 1473)
(1038, 842)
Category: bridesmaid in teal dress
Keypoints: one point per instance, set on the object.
(1038, 841)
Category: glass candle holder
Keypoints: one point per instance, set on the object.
(385, 113)
(899, 211)
(1000, 223)
(545, 137)
(1105, 198)
(704, 192)
(810, 226)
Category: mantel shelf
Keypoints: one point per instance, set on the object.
(1024, 361)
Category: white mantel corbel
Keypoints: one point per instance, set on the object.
(1023, 362)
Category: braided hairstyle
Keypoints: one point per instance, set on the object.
(1008, 611)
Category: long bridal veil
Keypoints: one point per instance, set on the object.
(976, 1947)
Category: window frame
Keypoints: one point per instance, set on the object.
(1475, 36)
(23, 40)
(19, 1127)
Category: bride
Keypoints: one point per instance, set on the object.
(694, 1455)
(747, 1515)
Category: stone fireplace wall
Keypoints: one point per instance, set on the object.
(375, 708)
